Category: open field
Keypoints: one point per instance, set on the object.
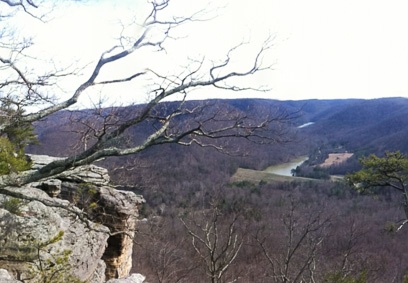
(336, 158)
(255, 176)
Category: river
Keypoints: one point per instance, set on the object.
(306, 125)
(284, 169)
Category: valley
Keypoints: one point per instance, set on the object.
(330, 230)
(148, 142)
(286, 172)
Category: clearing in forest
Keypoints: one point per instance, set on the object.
(336, 158)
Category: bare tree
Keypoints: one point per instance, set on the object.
(163, 246)
(105, 136)
(27, 6)
(297, 258)
(217, 241)
(343, 249)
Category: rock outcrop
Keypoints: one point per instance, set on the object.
(117, 210)
(30, 233)
(97, 251)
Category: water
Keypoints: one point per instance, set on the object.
(305, 125)
(285, 169)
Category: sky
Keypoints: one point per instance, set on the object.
(322, 49)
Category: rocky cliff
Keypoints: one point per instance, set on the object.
(76, 221)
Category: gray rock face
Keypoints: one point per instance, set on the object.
(87, 174)
(94, 256)
(4, 274)
(83, 174)
(5, 277)
(118, 210)
(42, 160)
(34, 224)
(99, 274)
(51, 187)
(121, 211)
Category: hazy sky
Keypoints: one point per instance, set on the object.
(322, 48)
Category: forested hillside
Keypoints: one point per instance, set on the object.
(320, 231)
(360, 126)
(364, 125)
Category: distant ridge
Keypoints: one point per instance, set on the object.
(367, 126)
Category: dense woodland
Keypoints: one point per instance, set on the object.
(200, 227)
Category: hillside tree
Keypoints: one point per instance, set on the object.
(390, 171)
(217, 240)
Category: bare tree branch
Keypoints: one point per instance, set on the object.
(104, 137)
(217, 249)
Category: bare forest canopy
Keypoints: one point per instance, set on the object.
(342, 235)
(351, 125)
(354, 125)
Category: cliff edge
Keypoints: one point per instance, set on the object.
(75, 224)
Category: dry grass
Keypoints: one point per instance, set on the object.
(336, 158)
(255, 177)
